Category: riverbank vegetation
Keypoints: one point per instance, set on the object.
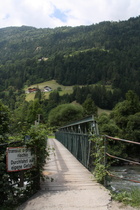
(14, 189)
(128, 198)
(123, 189)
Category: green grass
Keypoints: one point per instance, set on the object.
(100, 111)
(131, 198)
(53, 84)
(51, 137)
(30, 96)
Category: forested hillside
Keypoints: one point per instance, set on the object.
(108, 52)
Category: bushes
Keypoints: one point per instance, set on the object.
(38, 142)
(65, 113)
(128, 198)
(10, 193)
(4, 122)
(99, 158)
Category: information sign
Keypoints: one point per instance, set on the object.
(19, 158)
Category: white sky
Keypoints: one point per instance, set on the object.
(55, 13)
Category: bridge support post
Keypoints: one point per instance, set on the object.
(105, 159)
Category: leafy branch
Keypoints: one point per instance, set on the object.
(99, 158)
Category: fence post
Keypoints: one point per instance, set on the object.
(21, 184)
(105, 159)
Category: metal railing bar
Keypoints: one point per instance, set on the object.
(119, 158)
(78, 134)
(130, 180)
(123, 140)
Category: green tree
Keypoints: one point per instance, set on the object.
(38, 95)
(133, 127)
(4, 121)
(65, 113)
(19, 117)
(89, 107)
(54, 97)
(132, 132)
(134, 103)
(35, 109)
(107, 126)
(124, 109)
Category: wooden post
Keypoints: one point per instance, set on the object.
(21, 175)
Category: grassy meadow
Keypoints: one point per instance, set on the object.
(100, 111)
(53, 84)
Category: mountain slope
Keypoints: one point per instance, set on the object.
(107, 52)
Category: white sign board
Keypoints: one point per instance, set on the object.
(19, 158)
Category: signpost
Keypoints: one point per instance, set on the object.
(19, 158)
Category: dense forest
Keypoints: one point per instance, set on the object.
(107, 52)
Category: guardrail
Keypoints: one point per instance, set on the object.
(75, 137)
(81, 147)
(133, 162)
(78, 144)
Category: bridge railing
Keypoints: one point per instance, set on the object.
(76, 138)
(129, 161)
(78, 144)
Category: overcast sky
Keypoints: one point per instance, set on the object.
(54, 13)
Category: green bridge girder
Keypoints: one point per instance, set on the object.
(76, 138)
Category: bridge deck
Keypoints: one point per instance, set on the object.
(73, 186)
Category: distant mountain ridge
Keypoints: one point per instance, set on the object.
(103, 35)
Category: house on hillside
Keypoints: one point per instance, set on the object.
(47, 89)
(32, 90)
(43, 59)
